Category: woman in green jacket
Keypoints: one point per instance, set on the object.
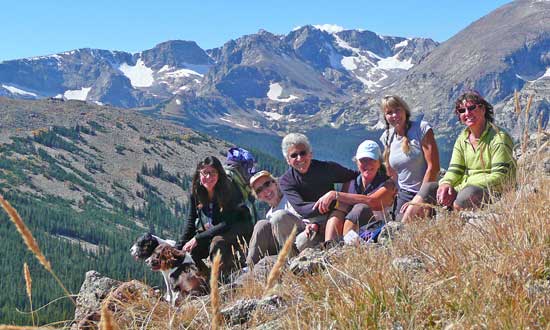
(482, 163)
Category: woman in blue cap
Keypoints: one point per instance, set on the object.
(370, 194)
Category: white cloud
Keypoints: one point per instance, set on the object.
(330, 28)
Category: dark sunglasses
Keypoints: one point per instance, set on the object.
(296, 154)
(263, 186)
(470, 108)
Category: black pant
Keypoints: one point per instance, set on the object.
(229, 243)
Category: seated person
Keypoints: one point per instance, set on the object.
(371, 193)
(482, 162)
(305, 182)
(411, 156)
(217, 218)
(270, 235)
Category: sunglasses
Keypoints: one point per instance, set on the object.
(296, 154)
(208, 173)
(263, 186)
(470, 108)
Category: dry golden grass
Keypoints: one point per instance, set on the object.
(28, 285)
(477, 275)
(106, 322)
(215, 292)
(15, 327)
(276, 270)
(488, 273)
(136, 306)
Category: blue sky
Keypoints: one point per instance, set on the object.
(41, 27)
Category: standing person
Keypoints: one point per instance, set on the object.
(305, 182)
(482, 162)
(217, 219)
(270, 234)
(411, 156)
(371, 193)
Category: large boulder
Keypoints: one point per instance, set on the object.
(241, 311)
(94, 289)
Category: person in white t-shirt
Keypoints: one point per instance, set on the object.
(410, 154)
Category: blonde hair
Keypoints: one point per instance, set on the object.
(394, 102)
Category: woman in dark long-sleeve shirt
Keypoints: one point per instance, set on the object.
(217, 218)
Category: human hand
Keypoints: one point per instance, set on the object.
(323, 204)
(190, 245)
(404, 207)
(408, 205)
(446, 194)
(311, 230)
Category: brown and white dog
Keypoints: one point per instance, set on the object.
(188, 281)
(181, 276)
(146, 244)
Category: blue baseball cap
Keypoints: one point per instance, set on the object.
(368, 149)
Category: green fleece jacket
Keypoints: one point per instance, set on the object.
(491, 165)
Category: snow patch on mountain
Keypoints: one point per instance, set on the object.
(370, 68)
(15, 90)
(275, 92)
(190, 69)
(544, 75)
(271, 115)
(330, 28)
(348, 62)
(202, 69)
(140, 75)
(77, 94)
(227, 120)
(182, 73)
(334, 57)
(402, 44)
(379, 125)
(390, 63)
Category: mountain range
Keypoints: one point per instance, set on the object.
(269, 77)
(314, 77)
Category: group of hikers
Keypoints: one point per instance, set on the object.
(401, 183)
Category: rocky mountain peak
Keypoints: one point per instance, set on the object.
(176, 54)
